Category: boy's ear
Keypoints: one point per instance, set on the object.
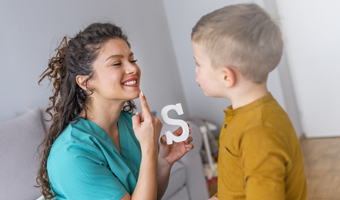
(82, 81)
(229, 77)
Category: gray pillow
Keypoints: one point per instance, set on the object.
(19, 160)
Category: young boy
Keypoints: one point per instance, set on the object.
(235, 48)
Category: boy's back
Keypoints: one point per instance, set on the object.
(235, 49)
(260, 155)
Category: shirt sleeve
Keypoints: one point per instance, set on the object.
(82, 173)
(263, 159)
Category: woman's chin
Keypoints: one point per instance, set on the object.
(136, 94)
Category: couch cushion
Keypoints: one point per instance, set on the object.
(196, 183)
(180, 195)
(19, 140)
(177, 180)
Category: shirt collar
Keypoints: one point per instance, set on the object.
(249, 106)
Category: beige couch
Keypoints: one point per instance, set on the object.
(20, 137)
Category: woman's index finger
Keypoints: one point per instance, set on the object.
(145, 106)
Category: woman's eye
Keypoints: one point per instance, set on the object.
(116, 64)
(133, 61)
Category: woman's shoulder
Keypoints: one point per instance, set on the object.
(77, 135)
(72, 148)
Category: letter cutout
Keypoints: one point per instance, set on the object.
(169, 136)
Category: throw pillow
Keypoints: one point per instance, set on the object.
(19, 140)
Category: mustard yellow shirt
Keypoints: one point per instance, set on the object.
(260, 156)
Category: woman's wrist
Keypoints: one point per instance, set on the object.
(163, 163)
(151, 150)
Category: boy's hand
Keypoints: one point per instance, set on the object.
(173, 152)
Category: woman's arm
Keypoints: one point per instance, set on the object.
(146, 187)
(147, 129)
(168, 155)
(163, 174)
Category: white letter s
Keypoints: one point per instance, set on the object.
(164, 114)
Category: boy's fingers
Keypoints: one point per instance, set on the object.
(145, 106)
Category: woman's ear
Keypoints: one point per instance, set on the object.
(82, 82)
(229, 77)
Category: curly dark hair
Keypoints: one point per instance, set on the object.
(73, 57)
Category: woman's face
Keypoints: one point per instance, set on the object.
(116, 74)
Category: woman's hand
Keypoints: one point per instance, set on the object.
(147, 128)
(168, 154)
(213, 198)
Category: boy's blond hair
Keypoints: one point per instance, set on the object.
(242, 36)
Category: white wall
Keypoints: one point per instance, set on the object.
(312, 36)
(31, 30)
(288, 90)
(182, 15)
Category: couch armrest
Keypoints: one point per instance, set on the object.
(196, 183)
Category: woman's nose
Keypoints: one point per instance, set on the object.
(131, 68)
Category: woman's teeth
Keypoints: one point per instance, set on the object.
(130, 83)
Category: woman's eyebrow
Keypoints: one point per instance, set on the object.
(114, 56)
(118, 56)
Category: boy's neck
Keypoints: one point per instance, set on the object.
(247, 94)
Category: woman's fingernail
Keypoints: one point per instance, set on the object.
(141, 93)
(137, 113)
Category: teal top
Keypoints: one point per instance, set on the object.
(84, 163)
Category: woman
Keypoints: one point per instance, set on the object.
(96, 148)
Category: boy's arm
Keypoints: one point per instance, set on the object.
(264, 161)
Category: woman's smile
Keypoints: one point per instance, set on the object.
(131, 82)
